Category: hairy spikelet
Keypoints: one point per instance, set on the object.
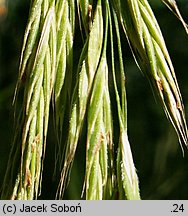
(37, 71)
(96, 173)
(150, 52)
(65, 19)
(127, 180)
(88, 63)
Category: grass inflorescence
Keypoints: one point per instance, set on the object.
(82, 87)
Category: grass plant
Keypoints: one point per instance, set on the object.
(82, 86)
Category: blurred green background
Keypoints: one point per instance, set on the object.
(161, 167)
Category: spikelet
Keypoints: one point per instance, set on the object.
(65, 22)
(88, 63)
(150, 52)
(37, 71)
